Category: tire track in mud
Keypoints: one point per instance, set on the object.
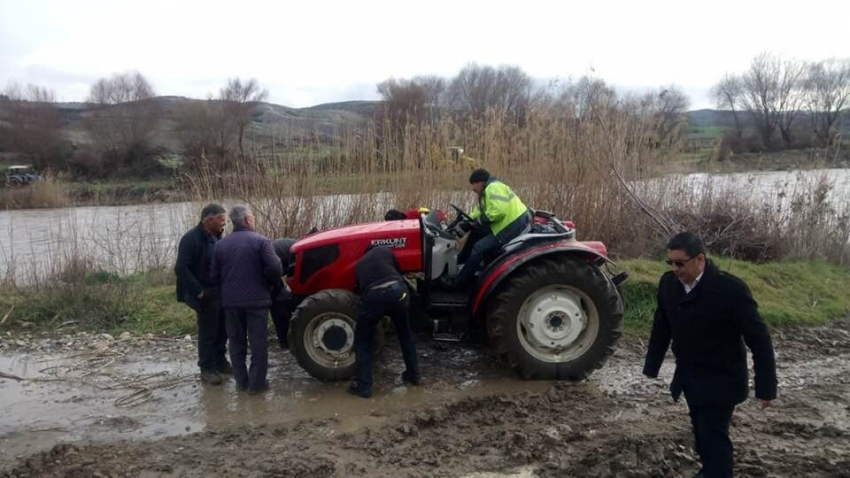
(615, 424)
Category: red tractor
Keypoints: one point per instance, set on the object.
(548, 303)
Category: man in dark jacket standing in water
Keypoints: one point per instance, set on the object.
(382, 292)
(709, 315)
(195, 289)
(246, 267)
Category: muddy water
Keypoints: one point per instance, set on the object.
(70, 397)
(473, 419)
(82, 395)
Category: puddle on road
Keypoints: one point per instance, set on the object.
(41, 411)
(87, 403)
(527, 472)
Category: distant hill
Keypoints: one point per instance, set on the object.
(708, 123)
(278, 124)
(270, 121)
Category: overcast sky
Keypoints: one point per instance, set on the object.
(311, 52)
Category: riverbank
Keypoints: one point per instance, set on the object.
(788, 293)
(706, 161)
(55, 193)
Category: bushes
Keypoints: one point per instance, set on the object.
(47, 193)
(139, 160)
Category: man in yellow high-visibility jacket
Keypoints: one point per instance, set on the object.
(500, 216)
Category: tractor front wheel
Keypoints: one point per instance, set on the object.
(321, 334)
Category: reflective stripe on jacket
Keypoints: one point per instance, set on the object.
(498, 206)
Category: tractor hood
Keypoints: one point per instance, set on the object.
(326, 260)
(374, 232)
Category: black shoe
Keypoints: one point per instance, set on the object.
(355, 389)
(212, 378)
(284, 345)
(226, 369)
(257, 391)
(411, 378)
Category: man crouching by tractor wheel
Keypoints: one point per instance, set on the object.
(382, 292)
(283, 302)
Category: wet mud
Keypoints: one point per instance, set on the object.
(101, 406)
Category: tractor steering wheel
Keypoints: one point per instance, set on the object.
(453, 226)
(461, 214)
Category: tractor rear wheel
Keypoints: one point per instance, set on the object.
(556, 319)
(321, 334)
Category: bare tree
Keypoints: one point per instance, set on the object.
(239, 99)
(35, 125)
(403, 101)
(207, 133)
(790, 97)
(477, 89)
(771, 96)
(435, 90)
(727, 95)
(124, 111)
(587, 97)
(760, 84)
(827, 89)
(514, 88)
(669, 106)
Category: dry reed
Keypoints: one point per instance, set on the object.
(600, 169)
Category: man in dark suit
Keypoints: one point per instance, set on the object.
(194, 288)
(709, 315)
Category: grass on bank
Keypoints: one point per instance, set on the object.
(100, 302)
(788, 293)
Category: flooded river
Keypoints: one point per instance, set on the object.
(126, 238)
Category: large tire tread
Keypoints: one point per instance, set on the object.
(502, 315)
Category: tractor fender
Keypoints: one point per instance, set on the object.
(504, 267)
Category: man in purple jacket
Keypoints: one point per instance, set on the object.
(246, 267)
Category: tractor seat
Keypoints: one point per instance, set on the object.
(535, 233)
(507, 246)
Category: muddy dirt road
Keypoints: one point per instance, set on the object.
(103, 406)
